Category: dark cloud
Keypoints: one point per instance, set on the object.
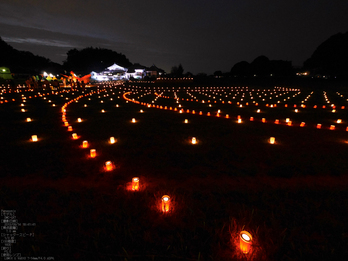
(203, 35)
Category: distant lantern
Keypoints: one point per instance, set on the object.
(109, 166)
(296, 110)
(276, 121)
(287, 120)
(135, 184)
(258, 111)
(66, 124)
(85, 144)
(92, 153)
(263, 120)
(227, 116)
(133, 120)
(251, 118)
(79, 120)
(302, 124)
(28, 119)
(186, 121)
(141, 111)
(339, 121)
(112, 140)
(239, 120)
(165, 204)
(289, 123)
(34, 138)
(194, 140)
(74, 135)
(245, 240)
(318, 126)
(69, 128)
(102, 111)
(22, 110)
(332, 127)
(85, 105)
(271, 140)
(117, 105)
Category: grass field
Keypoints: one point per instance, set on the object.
(291, 195)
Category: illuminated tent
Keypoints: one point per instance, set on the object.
(5, 73)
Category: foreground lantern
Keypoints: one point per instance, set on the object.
(271, 140)
(74, 135)
(34, 138)
(135, 184)
(245, 239)
(109, 166)
(318, 126)
(133, 120)
(28, 119)
(186, 121)
(92, 153)
(85, 144)
(165, 204)
(69, 128)
(79, 120)
(194, 140)
(112, 140)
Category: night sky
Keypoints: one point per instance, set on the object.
(202, 35)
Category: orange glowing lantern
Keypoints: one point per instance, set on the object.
(165, 204)
(251, 118)
(289, 123)
(302, 124)
(239, 121)
(276, 121)
(85, 144)
(92, 153)
(263, 120)
(339, 121)
(79, 120)
(74, 135)
(109, 166)
(271, 140)
(133, 120)
(287, 120)
(186, 121)
(245, 240)
(112, 140)
(70, 128)
(332, 127)
(28, 120)
(194, 140)
(66, 124)
(318, 126)
(135, 184)
(227, 116)
(34, 138)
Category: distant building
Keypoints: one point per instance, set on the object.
(136, 71)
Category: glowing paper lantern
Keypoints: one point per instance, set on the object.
(79, 120)
(109, 166)
(92, 153)
(289, 123)
(287, 119)
(239, 121)
(186, 121)
(339, 121)
(74, 135)
(70, 128)
(271, 140)
(165, 204)
(34, 138)
(251, 118)
(112, 140)
(135, 184)
(263, 120)
(85, 144)
(194, 140)
(245, 241)
(332, 127)
(133, 120)
(276, 121)
(28, 120)
(66, 124)
(318, 126)
(302, 124)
